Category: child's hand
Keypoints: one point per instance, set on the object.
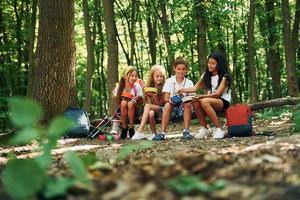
(180, 91)
(133, 100)
(197, 96)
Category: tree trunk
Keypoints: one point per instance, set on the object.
(290, 50)
(275, 102)
(31, 48)
(152, 33)
(112, 50)
(273, 56)
(167, 36)
(90, 58)
(250, 53)
(132, 29)
(54, 83)
(201, 36)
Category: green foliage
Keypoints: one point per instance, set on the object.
(127, 149)
(78, 169)
(58, 186)
(296, 118)
(24, 112)
(16, 178)
(25, 115)
(184, 185)
(274, 112)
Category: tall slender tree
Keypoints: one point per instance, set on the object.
(250, 52)
(201, 35)
(112, 48)
(54, 74)
(31, 48)
(90, 43)
(289, 39)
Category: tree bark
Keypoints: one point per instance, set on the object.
(273, 56)
(152, 33)
(31, 48)
(112, 49)
(201, 36)
(90, 58)
(54, 83)
(290, 50)
(275, 103)
(167, 36)
(250, 53)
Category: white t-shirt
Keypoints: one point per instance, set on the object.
(226, 95)
(171, 86)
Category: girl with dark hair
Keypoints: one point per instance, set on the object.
(216, 82)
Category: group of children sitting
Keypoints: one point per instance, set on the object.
(161, 97)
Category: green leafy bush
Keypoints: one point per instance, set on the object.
(25, 115)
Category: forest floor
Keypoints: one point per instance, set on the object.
(265, 166)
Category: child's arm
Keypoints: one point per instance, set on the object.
(193, 89)
(217, 93)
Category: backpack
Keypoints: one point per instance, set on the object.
(239, 120)
(81, 119)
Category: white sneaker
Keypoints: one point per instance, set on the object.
(218, 134)
(203, 133)
(138, 136)
(151, 136)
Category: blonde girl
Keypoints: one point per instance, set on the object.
(154, 101)
(129, 95)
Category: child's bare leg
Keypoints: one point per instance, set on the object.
(124, 111)
(131, 113)
(166, 116)
(209, 105)
(186, 115)
(144, 118)
(152, 121)
(199, 113)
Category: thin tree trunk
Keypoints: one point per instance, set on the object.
(273, 57)
(290, 50)
(31, 48)
(112, 61)
(166, 34)
(152, 33)
(132, 29)
(90, 58)
(17, 72)
(201, 36)
(250, 53)
(54, 84)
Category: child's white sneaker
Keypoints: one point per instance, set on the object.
(138, 136)
(203, 133)
(150, 137)
(218, 134)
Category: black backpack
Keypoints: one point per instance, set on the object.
(81, 119)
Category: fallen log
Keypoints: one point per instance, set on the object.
(275, 103)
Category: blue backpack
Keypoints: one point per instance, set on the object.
(81, 119)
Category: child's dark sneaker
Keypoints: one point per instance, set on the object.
(187, 134)
(123, 133)
(131, 132)
(159, 136)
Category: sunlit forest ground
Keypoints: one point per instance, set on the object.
(265, 166)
